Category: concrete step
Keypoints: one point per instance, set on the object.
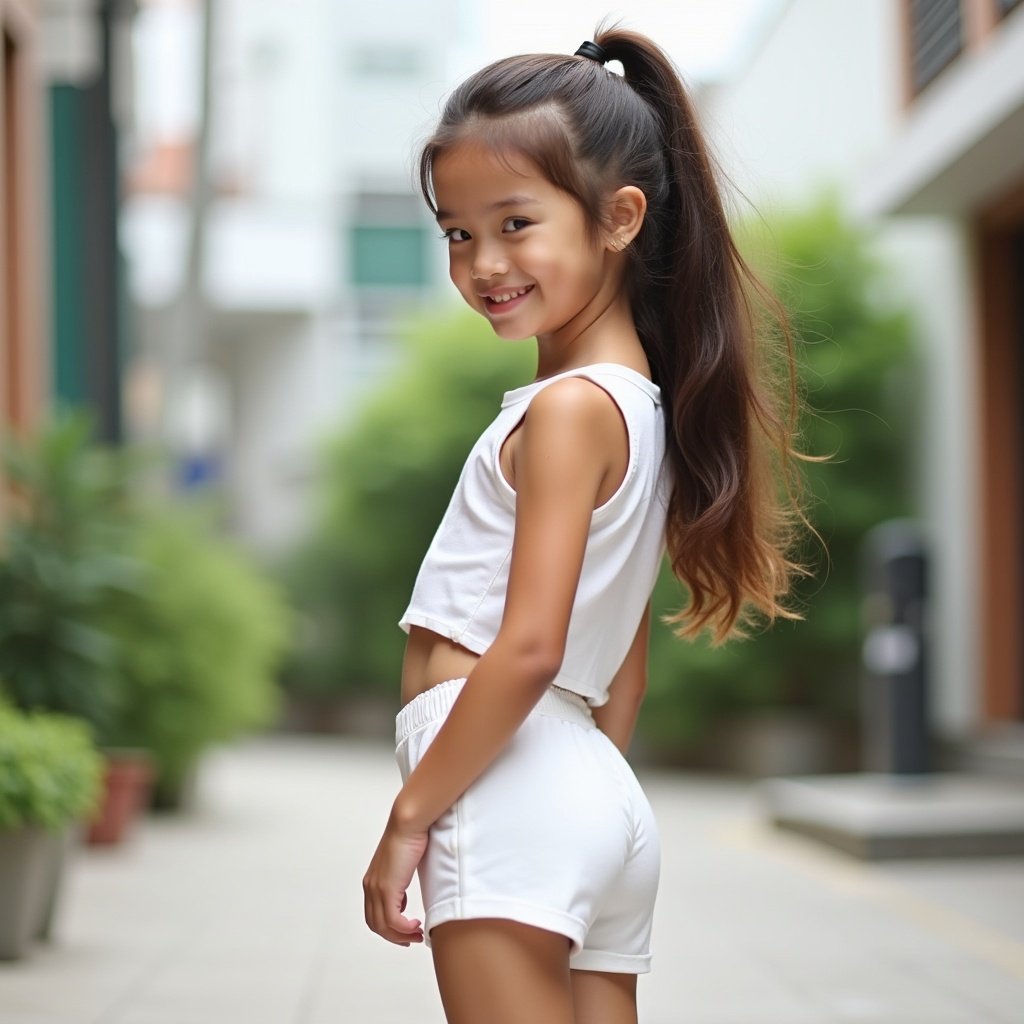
(998, 750)
(875, 816)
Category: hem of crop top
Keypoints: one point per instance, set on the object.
(475, 644)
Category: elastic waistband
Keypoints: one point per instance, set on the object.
(435, 703)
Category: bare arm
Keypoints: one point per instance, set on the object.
(617, 718)
(561, 462)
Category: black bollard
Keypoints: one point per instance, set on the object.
(895, 683)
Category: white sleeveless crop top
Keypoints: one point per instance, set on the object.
(460, 589)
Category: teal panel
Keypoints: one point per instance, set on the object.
(395, 256)
(68, 313)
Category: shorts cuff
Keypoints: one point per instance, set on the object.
(508, 910)
(612, 963)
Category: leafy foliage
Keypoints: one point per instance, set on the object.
(388, 480)
(50, 772)
(195, 654)
(144, 623)
(63, 558)
(855, 367)
(389, 477)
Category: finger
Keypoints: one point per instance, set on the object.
(395, 919)
(384, 911)
(385, 919)
(396, 928)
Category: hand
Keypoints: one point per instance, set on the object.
(386, 881)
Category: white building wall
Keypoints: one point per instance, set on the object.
(306, 112)
(818, 100)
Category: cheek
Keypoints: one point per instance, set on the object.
(566, 265)
(458, 271)
(544, 262)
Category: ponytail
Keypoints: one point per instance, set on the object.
(728, 532)
(730, 423)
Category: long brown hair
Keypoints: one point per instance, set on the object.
(731, 409)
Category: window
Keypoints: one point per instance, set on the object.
(389, 256)
(389, 242)
(936, 37)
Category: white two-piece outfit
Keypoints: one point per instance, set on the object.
(556, 832)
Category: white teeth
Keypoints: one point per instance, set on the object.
(508, 296)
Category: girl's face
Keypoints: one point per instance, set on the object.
(518, 248)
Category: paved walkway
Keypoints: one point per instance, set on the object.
(249, 911)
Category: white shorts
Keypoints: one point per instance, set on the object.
(556, 833)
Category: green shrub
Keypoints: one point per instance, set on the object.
(146, 624)
(50, 772)
(195, 654)
(390, 475)
(62, 559)
(388, 479)
(855, 365)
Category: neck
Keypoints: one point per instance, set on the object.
(601, 334)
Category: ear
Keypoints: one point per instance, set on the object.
(624, 215)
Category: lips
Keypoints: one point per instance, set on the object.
(505, 299)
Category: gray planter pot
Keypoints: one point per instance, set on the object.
(58, 853)
(23, 873)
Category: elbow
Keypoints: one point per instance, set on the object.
(533, 660)
(540, 667)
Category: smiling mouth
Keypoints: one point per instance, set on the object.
(503, 301)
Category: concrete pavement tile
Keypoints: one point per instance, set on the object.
(250, 910)
(989, 892)
(13, 1015)
(395, 993)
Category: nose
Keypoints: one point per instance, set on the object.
(488, 262)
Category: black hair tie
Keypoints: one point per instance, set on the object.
(593, 51)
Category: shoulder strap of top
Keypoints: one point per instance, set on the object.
(594, 372)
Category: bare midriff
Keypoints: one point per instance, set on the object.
(431, 659)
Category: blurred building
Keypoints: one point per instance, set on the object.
(23, 349)
(87, 67)
(917, 110)
(268, 291)
(64, 83)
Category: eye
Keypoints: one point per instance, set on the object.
(452, 235)
(517, 223)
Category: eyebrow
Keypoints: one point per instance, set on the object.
(501, 204)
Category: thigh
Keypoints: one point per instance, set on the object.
(601, 998)
(502, 972)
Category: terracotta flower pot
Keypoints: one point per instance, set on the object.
(128, 782)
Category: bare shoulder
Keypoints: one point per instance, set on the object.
(574, 404)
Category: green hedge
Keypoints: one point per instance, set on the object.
(194, 655)
(388, 477)
(387, 481)
(139, 618)
(855, 375)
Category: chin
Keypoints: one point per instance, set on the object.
(510, 333)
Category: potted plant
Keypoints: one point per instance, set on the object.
(195, 654)
(49, 780)
(62, 562)
(143, 622)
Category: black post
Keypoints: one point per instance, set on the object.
(895, 685)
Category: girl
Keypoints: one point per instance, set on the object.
(580, 209)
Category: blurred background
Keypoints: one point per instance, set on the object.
(236, 386)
